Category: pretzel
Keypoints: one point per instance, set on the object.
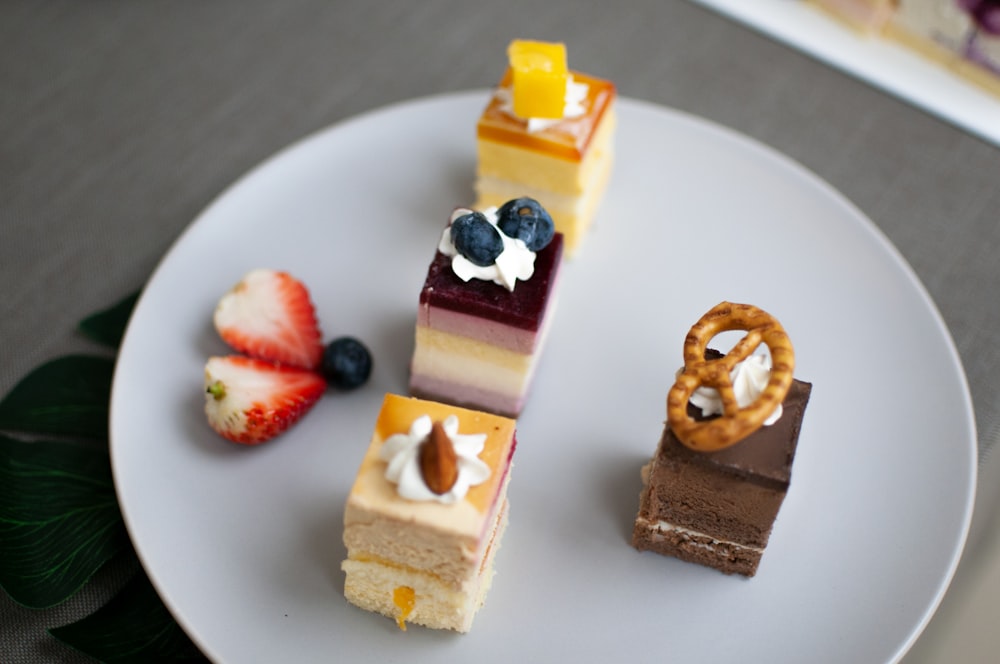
(735, 423)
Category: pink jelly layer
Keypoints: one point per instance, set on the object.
(426, 387)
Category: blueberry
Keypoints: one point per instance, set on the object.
(527, 220)
(346, 363)
(476, 238)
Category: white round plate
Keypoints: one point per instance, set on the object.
(244, 544)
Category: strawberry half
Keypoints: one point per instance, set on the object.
(270, 316)
(250, 401)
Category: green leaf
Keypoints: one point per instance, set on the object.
(134, 626)
(108, 326)
(66, 396)
(59, 520)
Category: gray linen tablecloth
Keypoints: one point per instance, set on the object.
(120, 121)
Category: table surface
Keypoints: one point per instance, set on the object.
(120, 121)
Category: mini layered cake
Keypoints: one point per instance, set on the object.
(961, 35)
(547, 133)
(427, 511)
(713, 489)
(486, 307)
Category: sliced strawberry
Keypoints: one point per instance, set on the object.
(250, 401)
(269, 315)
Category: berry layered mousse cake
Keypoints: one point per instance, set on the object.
(712, 491)
(425, 516)
(486, 307)
(547, 132)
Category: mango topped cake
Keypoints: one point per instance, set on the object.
(486, 307)
(547, 133)
(712, 491)
(426, 513)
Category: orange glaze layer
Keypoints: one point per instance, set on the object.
(399, 412)
(568, 140)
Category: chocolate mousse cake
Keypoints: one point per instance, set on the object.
(479, 337)
(427, 511)
(548, 133)
(713, 499)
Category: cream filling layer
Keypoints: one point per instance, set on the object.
(457, 359)
(490, 189)
(665, 527)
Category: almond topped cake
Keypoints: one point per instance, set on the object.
(426, 513)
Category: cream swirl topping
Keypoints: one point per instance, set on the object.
(749, 379)
(573, 106)
(402, 451)
(515, 262)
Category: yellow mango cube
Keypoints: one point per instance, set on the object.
(539, 78)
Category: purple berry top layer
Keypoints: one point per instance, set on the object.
(522, 308)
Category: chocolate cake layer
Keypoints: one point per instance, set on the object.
(690, 546)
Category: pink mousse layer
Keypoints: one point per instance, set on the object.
(486, 312)
(426, 387)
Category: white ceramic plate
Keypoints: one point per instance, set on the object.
(879, 61)
(244, 544)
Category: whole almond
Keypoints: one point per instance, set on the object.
(438, 461)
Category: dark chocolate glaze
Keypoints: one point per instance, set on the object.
(765, 455)
(523, 308)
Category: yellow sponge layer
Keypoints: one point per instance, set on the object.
(570, 190)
